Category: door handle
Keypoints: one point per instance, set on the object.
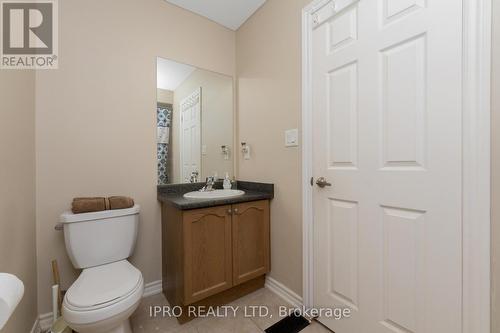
(322, 182)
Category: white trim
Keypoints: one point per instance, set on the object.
(284, 292)
(36, 327)
(476, 166)
(153, 288)
(45, 321)
(307, 166)
(476, 162)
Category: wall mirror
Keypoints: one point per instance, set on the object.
(195, 136)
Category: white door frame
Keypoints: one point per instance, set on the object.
(189, 101)
(476, 161)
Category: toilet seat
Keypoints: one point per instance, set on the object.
(103, 292)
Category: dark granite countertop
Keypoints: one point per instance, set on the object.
(174, 194)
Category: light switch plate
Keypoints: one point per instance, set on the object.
(292, 138)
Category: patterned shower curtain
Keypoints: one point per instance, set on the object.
(164, 123)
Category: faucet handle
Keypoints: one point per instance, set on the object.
(194, 177)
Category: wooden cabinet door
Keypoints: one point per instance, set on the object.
(250, 240)
(207, 252)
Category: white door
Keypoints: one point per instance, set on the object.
(191, 135)
(387, 136)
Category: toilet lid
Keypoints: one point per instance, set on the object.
(103, 284)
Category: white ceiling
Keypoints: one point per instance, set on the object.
(230, 13)
(170, 74)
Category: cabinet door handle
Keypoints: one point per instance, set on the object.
(236, 211)
(229, 211)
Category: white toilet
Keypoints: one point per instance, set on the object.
(109, 289)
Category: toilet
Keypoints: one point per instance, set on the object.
(109, 288)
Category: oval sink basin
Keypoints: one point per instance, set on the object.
(216, 194)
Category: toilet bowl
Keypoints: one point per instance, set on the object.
(109, 288)
(102, 299)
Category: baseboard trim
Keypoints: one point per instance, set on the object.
(36, 326)
(153, 288)
(44, 322)
(284, 292)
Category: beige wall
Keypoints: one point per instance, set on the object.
(84, 117)
(268, 57)
(217, 106)
(96, 125)
(495, 167)
(17, 190)
(165, 96)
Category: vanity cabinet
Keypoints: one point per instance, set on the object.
(215, 254)
(250, 226)
(207, 252)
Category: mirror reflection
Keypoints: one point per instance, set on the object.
(194, 123)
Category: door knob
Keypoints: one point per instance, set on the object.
(322, 182)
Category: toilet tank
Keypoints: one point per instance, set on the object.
(94, 239)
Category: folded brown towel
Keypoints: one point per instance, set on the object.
(97, 204)
(88, 205)
(120, 202)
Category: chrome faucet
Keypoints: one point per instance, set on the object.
(210, 185)
(194, 177)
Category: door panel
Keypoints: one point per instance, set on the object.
(403, 104)
(191, 135)
(343, 117)
(387, 134)
(403, 262)
(343, 31)
(394, 9)
(343, 251)
(207, 247)
(250, 240)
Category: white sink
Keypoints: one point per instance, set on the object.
(216, 194)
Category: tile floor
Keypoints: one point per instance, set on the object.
(143, 323)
